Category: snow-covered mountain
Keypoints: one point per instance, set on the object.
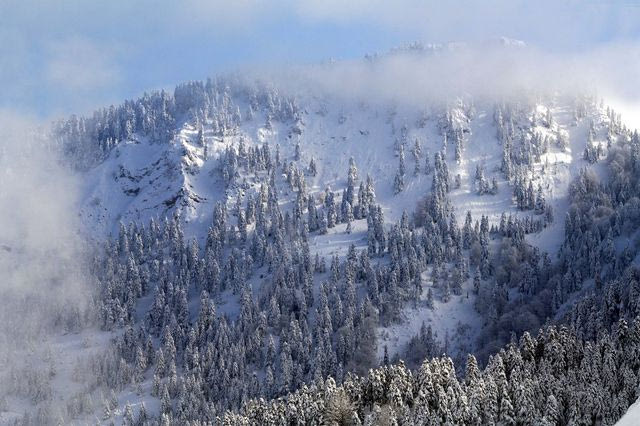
(452, 224)
(140, 179)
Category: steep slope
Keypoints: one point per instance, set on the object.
(140, 179)
(260, 177)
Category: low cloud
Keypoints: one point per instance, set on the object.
(45, 290)
(42, 254)
(490, 71)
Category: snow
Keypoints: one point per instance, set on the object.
(365, 132)
(445, 320)
(628, 109)
(61, 357)
(336, 241)
(632, 416)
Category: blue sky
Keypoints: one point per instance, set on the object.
(65, 56)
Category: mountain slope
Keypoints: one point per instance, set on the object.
(140, 179)
(272, 184)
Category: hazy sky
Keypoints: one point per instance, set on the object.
(63, 56)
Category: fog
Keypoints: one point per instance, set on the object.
(44, 289)
(42, 251)
(491, 70)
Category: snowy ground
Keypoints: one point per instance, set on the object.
(60, 359)
(453, 321)
(632, 417)
(336, 241)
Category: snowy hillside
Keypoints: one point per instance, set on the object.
(140, 180)
(254, 237)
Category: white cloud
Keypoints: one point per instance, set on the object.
(489, 71)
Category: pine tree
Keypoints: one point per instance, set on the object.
(398, 183)
(427, 164)
(143, 417)
(561, 140)
(200, 137)
(313, 171)
(430, 298)
(540, 202)
(416, 152)
(128, 415)
(446, 291)
(476, 282)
